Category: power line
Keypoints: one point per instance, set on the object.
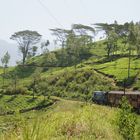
(50, 13)
(82, 4)
(41, 66)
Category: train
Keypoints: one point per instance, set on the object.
(113, 98)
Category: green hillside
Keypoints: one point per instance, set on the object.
(49, 96)
(118, 70)
(67, 120)
(96, 71)
(19, 103)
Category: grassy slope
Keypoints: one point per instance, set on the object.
(68, 120)
(119, 68)
(79, 84)
(66, 82)
(19, 102)
(116, 67)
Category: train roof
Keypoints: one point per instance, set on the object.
(127, 92)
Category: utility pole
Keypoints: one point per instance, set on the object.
(129, 63)
(124, 84)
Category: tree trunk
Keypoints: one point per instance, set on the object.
(138, 52)
(75, 64)
(25, 53)
(34, 89)
(15, 82)
(23, 59)
(129, 63)
(3, 76)
(108, 52)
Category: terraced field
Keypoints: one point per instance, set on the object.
(16, 103)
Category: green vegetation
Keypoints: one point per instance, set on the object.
(62, 83)
(19, 103)
(26, 40)
(81, 86)
(34, 92)
(126, 120)
(118, 69)
(67, 120)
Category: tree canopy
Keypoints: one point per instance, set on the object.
(26, 39)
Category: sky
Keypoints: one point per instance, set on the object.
(42, 15)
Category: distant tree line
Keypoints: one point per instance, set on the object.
(116, 34)
(76, 42)
(127, 33)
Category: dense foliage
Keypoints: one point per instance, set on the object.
(126, 120)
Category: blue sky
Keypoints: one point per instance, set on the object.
(16, 15)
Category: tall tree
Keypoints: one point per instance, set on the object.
(34, 50)
(26, 39)
(44, 89)
(72, 48)
(36, 77)
(86, 32)
(5, 60)
(112, 34)
(129, 34)
(137, 37)
(61, 38)
(124, 35)
(84, 35)
(131, 42)
(111, 43)
(44, 46)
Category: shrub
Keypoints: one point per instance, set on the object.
(126, 120)
(18, 90)
(1, 91)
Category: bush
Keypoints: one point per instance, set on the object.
(1, 90)
(126, 120)
(18, 90)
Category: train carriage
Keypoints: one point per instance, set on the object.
(113, 98)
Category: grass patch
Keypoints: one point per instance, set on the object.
(67, 119)
(17, 103)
